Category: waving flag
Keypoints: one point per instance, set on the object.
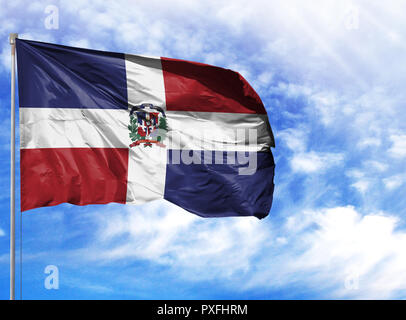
(99, 127)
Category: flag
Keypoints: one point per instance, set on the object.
(99, 127)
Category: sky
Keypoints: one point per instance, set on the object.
(331, 75)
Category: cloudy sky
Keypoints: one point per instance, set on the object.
(332, 76)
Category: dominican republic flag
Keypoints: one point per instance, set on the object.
(99, 127)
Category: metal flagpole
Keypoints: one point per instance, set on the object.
(13, 37)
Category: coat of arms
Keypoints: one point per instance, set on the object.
(147, 125)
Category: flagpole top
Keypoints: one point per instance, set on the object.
(13, 37)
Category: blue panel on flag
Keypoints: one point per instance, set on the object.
(54, 76)
(218, 190)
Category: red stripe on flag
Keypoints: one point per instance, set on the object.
(75, 175)
(193, 86)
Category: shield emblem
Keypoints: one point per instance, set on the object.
(147, 125)
(147, 122)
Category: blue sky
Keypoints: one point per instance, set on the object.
(331, 75)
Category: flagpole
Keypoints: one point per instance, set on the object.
(13, 37)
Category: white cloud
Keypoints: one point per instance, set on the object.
(329, 246)
(361, 185)
(312, 248)
(81, 43)
(326, 103)
(376, 165)
(398, 148)
(369, 142)
(294, 138)
(394, 182)
(2, 233)
(314, 162)
(169, 235)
